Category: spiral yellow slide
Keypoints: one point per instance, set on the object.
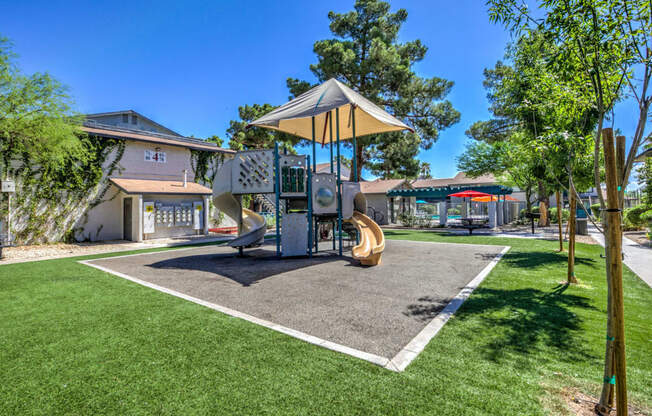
(372, 240)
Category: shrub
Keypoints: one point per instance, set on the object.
(595, 210)
(565, 215)
(647, 217)
(423, 221)
(428, 208)
(632, 219)
(454, 211)
(407, 220)
(535, 210)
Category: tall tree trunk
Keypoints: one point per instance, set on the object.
(571, 236)
(544, 220)
(528, 198)
(616, 269)
(560, 218)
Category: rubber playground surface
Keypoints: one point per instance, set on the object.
(377, 310)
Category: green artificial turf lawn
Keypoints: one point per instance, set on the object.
(75, 340)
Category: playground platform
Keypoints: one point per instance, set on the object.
(330, 300)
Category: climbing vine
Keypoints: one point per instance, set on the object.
(205, 166)
(52, 200)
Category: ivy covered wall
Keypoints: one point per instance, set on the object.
(51, 204)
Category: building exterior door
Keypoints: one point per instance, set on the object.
(126, 219)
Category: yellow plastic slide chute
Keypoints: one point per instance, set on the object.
(372, 240)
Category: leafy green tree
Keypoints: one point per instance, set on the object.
(241, 138)
(531, 104)
(36, 119)
(424, 171)
(396, 158)
(603, 45)
(511, 161)
(367, 55)
(644, 177)
(215, 139)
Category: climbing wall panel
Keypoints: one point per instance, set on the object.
(253, 172)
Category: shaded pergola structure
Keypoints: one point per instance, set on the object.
(328, 113)
(441, 193)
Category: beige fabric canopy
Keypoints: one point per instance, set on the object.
(295, 117)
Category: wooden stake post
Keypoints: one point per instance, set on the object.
(615, 265)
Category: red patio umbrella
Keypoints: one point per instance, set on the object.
(492, 198)
(468, 194)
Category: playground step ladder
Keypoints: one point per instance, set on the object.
(268, 202)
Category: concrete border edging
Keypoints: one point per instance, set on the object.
(418, 343)
(397, 364)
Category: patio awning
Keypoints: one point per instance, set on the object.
(295, 117)
(441, 193)
(151, 186)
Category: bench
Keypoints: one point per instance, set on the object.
(471, 224)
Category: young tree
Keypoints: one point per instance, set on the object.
(644, 176)
(36, 119)
(367, 56)
(510, 160)
(604, 44)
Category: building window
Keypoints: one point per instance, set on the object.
(125, 118)
(154, 156)
(134, 119)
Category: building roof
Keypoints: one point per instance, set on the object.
(103, 130)
(459, 179)
(345, 172)
(140, 116)
(151, 186)
(380, 186)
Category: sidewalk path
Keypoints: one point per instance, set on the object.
(637, 257)
(56, 251)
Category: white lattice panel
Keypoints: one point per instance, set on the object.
(253, 172)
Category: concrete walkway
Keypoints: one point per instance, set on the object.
(637, 257)
(26, 254)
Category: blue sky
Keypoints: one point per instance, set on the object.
(190, 64)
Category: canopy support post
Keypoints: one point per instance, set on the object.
(309, 189)
(330, 143)
(355, 145)
(314, 155)
(277, 191)
(330, 147)
(339, 182)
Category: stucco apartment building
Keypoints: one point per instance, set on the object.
(151, 191)
(383, 209)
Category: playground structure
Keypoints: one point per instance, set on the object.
(309, 198)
